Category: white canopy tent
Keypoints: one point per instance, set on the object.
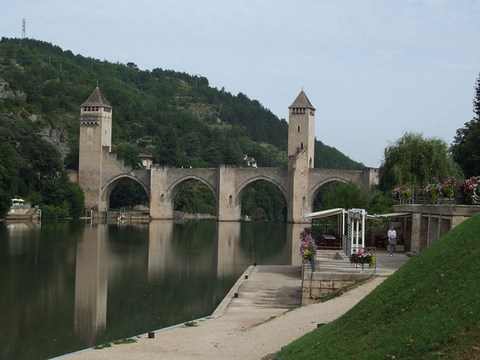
(386, 216)
(355, 234)
(326, 213)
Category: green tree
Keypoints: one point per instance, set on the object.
(8, 175)
(413, 160)
(44, 172)
(379, 202)
(129, 154)
(328, 157)
(264, 201)
(466, 148)
(168, 148)
(466, 144)
(75, 198)
(128, 193)
(190, 144)
(343, 195)
(476, 99)
(195, 197)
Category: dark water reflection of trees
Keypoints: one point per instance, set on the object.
(67, 286)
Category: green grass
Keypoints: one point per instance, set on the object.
(116, 342)
(103, 346)
(428, 309)
(191, 324)
(125, 341)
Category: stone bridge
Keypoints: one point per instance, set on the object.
(100, 170)
(226, 183)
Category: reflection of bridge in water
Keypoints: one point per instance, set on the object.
(99, 266)
(100, 170)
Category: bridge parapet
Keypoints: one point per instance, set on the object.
(364, 179)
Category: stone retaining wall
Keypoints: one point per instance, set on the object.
(318, 284)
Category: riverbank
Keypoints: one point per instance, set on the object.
(259, 316)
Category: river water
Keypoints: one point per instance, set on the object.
(67, 286)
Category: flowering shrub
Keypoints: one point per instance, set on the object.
(402, 193)
(432, 189)
(396, 193)
(364, 256)
(448, 187)
(471, 188)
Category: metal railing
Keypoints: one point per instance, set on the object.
(418, 196)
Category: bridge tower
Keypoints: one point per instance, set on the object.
(301, 150)
(95, 138)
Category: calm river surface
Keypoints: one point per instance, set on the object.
(70, 285)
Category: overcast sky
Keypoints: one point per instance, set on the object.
(374, 69)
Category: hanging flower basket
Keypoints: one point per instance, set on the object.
(307, 255)
(309, 259)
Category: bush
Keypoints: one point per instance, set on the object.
(55, 212)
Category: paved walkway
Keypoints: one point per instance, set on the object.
(386, 264)
(260, 314)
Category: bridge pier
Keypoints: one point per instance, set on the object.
(161, 206)
(228, 202)
(299, 201)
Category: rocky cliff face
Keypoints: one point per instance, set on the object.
(7, 93)
(57, 138)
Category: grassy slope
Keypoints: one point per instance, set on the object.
(428, 309)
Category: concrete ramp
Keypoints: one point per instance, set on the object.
(262, 292)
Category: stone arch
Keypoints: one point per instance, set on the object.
(107, 189)
(173, 188)
(243, 187)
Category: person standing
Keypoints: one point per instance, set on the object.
(392, 240)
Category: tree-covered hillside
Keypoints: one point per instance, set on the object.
(176, 117)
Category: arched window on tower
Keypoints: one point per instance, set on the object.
(298, 128)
